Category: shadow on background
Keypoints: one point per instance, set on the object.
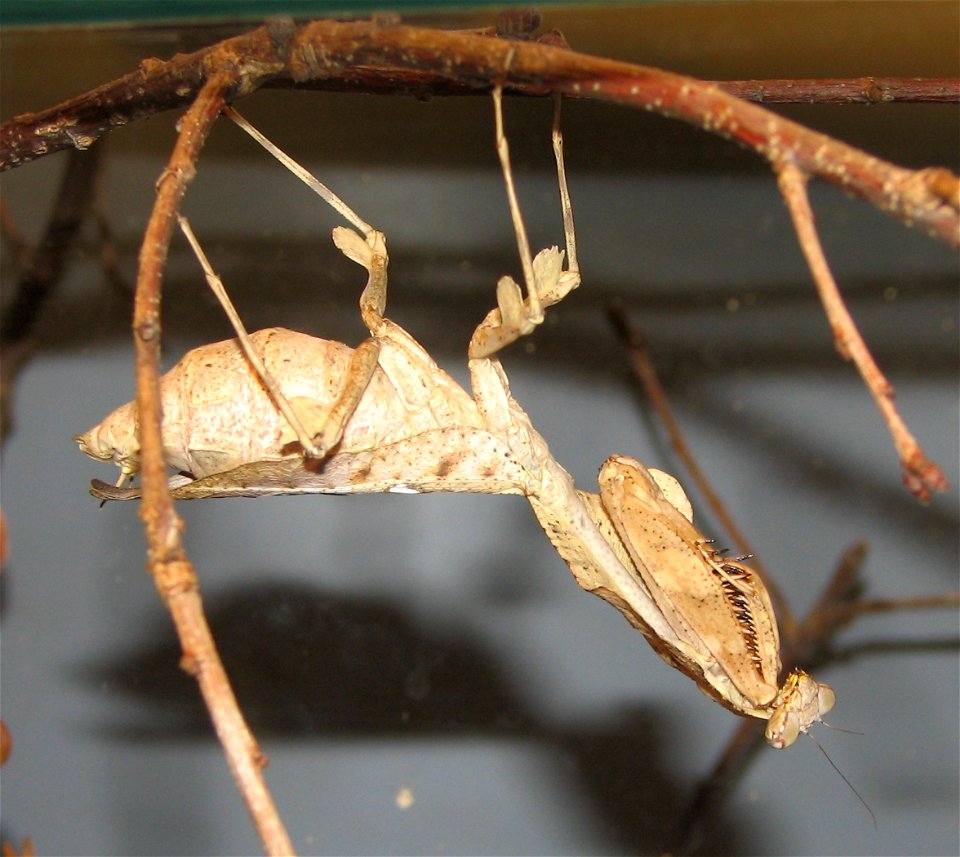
(306, 664)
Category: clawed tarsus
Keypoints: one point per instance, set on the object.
(544, 278)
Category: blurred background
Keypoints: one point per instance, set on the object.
(422, 671)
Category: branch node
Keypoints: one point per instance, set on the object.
(943, 184)
(174, 577)
(190, 665)
(921, 476)
(148, 331)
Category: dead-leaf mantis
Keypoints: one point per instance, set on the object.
(281, 412)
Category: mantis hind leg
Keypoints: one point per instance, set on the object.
(546, 284)
(318, 428)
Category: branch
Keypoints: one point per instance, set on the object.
(13, 238)
(920, 474)
(856, 90)
(42, 271)
(167, 561)
(839, 615)
(373, 57)
(364, 56)
(803, 642)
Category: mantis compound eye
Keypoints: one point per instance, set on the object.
(826, 699)
(782, 729)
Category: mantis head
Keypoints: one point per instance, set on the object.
(115, 439)
(801, 702)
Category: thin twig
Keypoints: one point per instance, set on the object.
(743, 742)
(850, 90)
(13, 237)
(168, 564)
(109, 256)
(357, 54)
(845, 613)
(920, 474)
(643, 367)
(815, 631)
(40, 276)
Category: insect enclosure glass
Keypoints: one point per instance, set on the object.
(423, 666)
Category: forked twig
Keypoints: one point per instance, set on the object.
(920, 474)
(804, 642)
(330, 51)
(172, 571)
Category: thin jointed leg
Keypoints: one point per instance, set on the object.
(546, 281)
(317, 432)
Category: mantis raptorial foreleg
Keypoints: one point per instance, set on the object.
(711, 618)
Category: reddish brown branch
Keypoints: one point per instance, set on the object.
(172, 571)
(359, 54)
(920, 474)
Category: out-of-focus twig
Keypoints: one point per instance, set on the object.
(855, 90)
(803, 642)
(42, 271)
(107, 248)
(844, 614)
(921, 475)
(13, 238)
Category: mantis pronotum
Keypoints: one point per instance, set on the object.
(282, 412)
